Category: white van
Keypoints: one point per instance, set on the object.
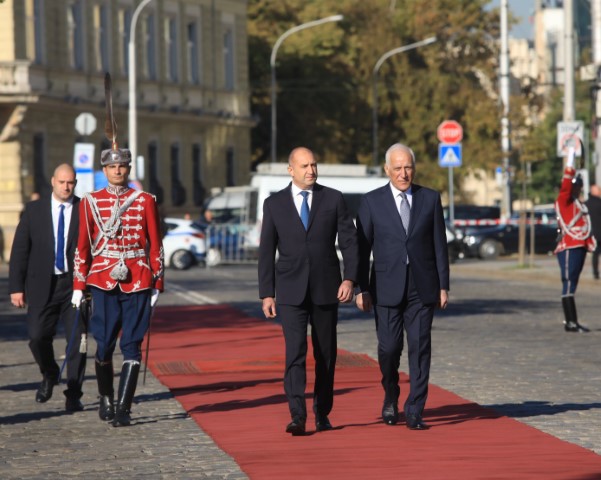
(243, 206)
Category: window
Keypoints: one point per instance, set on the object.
(124, 27)
(101, 38)
(150, 41)
(171, 48)
(228, 56)
(198, 189)
(35, 31)
(40, 184)
(230, 178)
(178, 193)
(75, 34)
(193, 53)
(153, 172)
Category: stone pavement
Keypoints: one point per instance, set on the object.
(499, 344)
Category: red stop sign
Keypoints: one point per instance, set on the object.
(450, 131)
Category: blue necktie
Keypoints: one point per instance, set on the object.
(304, 213)
(60, 240)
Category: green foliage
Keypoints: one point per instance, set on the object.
(325, 78)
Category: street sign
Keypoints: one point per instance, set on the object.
(449, 131)
(570, 134)
(85, 123)
(449, 155)
(83, 163)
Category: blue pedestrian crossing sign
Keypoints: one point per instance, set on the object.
(449, 154)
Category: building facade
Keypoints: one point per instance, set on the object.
(192, 94)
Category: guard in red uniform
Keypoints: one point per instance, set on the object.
(119, 258)
(575, 240)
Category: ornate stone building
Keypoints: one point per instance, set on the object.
(192, 91)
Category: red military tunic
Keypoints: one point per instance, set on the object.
(119, 227)
(572, 217)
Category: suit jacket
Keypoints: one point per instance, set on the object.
(308, 260)
(32, 256)
(381, 232)
(594, 210)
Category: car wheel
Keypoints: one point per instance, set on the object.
(182, 260)
(489, 250)
(213, 257)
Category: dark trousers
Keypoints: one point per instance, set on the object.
(416, 319)
(323, 320)
(42, 323)
(114, 311)
(571, 262)
(595, 262)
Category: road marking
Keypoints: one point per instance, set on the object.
(192, 297)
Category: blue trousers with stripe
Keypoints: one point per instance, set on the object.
(571, 262)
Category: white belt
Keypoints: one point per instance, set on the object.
(129, 254)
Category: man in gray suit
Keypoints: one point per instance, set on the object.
(402, 224)
(41, 278)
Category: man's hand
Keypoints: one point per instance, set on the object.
(444, 299)
(345, 291)
(77, 298)
(363, 302)
(18, 299)
(269, 307)
(154, 296)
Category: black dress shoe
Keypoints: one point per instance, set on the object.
(415, 422)
(296, 426)
(44, 392)
(390, 413)
(73, 405)
(575, 327)
(322, 423)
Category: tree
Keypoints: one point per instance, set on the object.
(325, 79)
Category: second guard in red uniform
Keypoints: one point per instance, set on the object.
(575, 240)
(119, 258)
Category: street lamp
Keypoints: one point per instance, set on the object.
(133, 132)
(274, 51)
(379, 63)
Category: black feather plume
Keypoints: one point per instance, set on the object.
(110, 126)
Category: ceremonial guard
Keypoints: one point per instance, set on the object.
(574, 241)
(119, 258)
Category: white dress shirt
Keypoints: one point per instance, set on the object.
(55, 204)
(298, 198)
(397, 197)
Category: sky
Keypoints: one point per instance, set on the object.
(523, 9)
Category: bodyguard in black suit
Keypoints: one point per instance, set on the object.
(402, 224)
(41, 277)
(301, 222)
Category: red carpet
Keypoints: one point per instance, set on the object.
(226, 370)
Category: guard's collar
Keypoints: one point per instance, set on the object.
(116, 189)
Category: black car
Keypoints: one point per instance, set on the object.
(503, 239)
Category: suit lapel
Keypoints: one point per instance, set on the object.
(74, 223)
(416, 206)
(291, 210)
(390, 209)
(316, 202)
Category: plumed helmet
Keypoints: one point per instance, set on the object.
(113, 156)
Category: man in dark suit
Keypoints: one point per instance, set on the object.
(41, 277)
(594, 210)
(402, 224)
(301, 222)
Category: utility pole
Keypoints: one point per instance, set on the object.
(596, 127)
(504, 87)
(569, 114)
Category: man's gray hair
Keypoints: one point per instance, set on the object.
(399, 146)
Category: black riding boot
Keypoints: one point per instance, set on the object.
(104, 377)
(127, 388)
(575, 326)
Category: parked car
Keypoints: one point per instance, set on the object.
(503, 239)
(454, 244)
(183, 243)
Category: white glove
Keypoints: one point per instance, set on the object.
(154, 296)
(77, 298)
(571, 156)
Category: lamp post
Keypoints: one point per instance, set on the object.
(379, 63)
(133, 132)
(274, 51)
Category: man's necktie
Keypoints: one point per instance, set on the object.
(60, 239)
(304, 213)
(405, 211)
